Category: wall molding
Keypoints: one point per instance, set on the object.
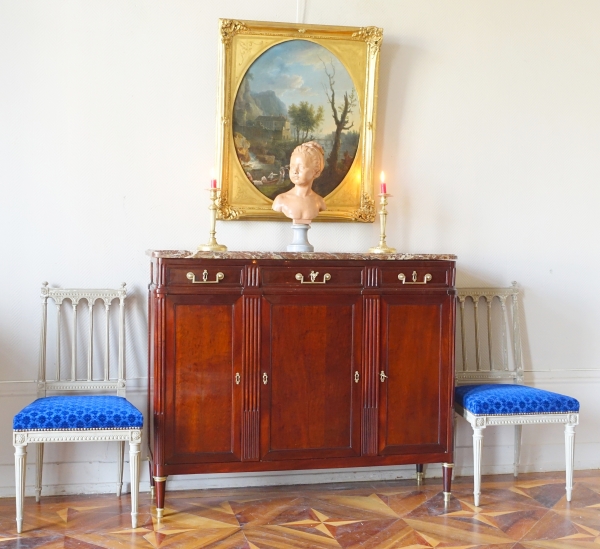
(531, 376)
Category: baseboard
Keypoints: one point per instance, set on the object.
(287, 478)
(80, 481)
(90, 478)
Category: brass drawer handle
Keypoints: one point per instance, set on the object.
(191, 276)
(426, 278)
(265, 378)
(238, 378)
(313, 276)
(356, 376)
(382, 376)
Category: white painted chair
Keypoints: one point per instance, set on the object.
(489, 377)
(65, 410)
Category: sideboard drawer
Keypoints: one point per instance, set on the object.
(319, 275)
(416, 276)
(205, 276)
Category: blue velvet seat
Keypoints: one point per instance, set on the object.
(78, 412)
(490, 378)
(80, 407)
(493, 399)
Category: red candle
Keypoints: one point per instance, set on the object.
(213, 181)
(383, 186)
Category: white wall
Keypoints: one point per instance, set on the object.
(488, 129)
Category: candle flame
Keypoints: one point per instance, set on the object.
(382, 177)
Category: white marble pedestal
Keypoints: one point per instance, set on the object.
(300, 241)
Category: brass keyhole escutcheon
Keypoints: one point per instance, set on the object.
(265, 378)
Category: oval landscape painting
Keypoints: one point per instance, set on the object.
(296, 91)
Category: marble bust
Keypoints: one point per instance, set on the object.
(302, 204)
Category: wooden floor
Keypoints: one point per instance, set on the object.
(530, 512)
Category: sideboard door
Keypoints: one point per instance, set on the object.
(202, 400)
(310, 401)
(416, 373)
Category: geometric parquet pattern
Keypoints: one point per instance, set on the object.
(530, 512)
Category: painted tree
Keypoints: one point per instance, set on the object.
(341, 115)
(305, 119)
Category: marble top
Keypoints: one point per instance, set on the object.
(182, 254)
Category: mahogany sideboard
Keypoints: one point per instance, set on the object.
(278, 361)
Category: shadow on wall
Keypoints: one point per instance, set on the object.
(555, 313)
(136, 322)
(396, 64)
(465, 279)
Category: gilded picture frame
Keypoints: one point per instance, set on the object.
(281, 84)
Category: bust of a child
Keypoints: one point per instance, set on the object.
(301, 203)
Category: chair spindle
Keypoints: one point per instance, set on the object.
(74, 344)
(463, 336)
(90, 339)
(106, 338)
(58, 325)
(517, 335)
(477, 344)
(504, 333)
(122, 336)
(42, 364)
(489, 301)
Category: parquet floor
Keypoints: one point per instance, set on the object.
(528, 513)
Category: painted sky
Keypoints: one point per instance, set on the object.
(294, 71)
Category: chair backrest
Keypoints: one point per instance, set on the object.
(489, 348)
(81, 344)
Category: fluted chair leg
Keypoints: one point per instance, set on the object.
(518, 432)
(20, 465)
(120, 458)
(477, 444)
(454, 435)
(39, 465)
(134, 467)
(570, 456)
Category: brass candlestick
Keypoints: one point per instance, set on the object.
(382, 248)
(213, 245)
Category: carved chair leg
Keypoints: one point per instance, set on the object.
(120, 458)
(518, 431)
(570, 456)
(419, 474)
(134, 472)
(20, 465)
(159, 483)
(454, 431)
(39, 464)
(477, 444)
